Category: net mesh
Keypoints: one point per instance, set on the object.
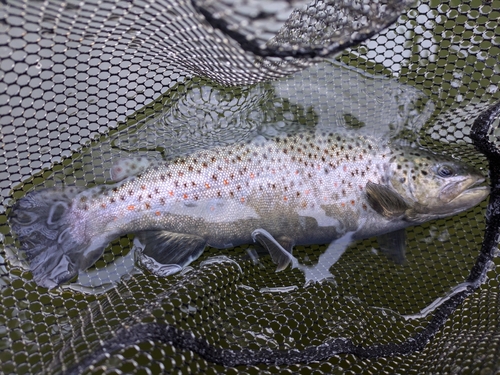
(86, 82)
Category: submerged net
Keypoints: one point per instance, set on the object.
(84, 83)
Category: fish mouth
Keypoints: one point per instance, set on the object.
(469, 192)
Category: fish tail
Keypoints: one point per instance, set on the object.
(42, 222)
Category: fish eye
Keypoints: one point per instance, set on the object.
(445, 170)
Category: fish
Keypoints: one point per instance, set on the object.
(310, 187)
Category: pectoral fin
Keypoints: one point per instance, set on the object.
(171, 249)
(280, 251)
(393, 245)
(385, 200)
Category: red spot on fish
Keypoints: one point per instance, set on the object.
(171, 193)
(252, 175)
(143, 187)
(342, 204)
(306, 192)
(185, 196)
(157, 213)
(103, 205)
(353, 202)
(285, 199)
(242, 200)
(226, 182)
(207, 186)
(131, 207)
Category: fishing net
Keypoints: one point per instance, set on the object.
(84, 83)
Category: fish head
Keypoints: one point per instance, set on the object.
(436, 186)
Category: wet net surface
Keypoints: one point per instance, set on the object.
(85, 83)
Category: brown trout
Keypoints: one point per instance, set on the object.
(306, 188)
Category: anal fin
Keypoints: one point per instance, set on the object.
(169, 251)
(280, 251)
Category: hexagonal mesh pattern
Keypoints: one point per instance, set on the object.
(84, 83)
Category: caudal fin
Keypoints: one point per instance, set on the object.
(42, 223)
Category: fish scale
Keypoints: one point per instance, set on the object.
(294, 173)
(304, 188)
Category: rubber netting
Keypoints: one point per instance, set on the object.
(83, 83)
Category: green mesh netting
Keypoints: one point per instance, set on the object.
(83, 83)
